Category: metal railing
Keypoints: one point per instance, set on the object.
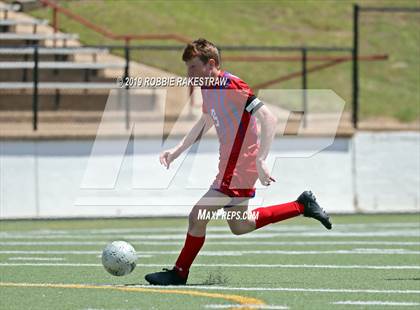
(354, 50)
(304, 58)
(56, 9)
(357, 9)
(304, 51)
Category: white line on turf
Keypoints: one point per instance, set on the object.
(343, 234)
(372, 251)
(271, 289)
(236, 306)
(385, 267)
(219, 228)
(375, 303)
(378, 267)
(288, 289)
(140, 254)
(139, 237)
(52, 264)
(177, 243)
(51, 252)
(38, 258)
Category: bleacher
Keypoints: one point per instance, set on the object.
(6, 8)
(73, 83)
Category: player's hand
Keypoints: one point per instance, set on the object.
(264, 174)
(168, 156)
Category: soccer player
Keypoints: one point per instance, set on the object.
(233, 109)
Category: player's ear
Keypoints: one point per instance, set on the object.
(211, 63)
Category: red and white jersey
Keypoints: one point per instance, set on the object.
(231, 106)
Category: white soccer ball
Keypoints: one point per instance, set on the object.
(119, 258)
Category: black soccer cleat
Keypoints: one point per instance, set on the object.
(312, 209)
(165, 277)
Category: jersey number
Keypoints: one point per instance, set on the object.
(215, 118)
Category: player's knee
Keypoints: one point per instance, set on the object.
(237, 230)
(195, 220)
(196, 226)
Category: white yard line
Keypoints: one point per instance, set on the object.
(38, 258)
(51, 264)
(60, 243)
(375, 303)
(279, 227)
(139, 237)
(371, 251)
(177, 243)
(289, 289)
(52, 252)
(254, 235)
(375, 267)
(97, 253)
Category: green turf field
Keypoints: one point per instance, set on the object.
(296, 264)
(388, 88)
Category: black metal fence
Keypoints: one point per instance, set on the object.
(304, 51)
(357, 10)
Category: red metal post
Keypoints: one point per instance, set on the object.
(55, 19)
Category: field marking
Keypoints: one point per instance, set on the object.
(374, 267)
(293, 289)
(242, 300)
(375, 303)
(257, 235)
(280, 227)
(177, 243)
(140, 255)
(52, 252)
(359, 251)
(186, 289)
(139, 237)
(224, 306)
(55, 264)
(38, 258)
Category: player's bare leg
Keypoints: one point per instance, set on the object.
(242, 223)
(210, 202)
(306, 205)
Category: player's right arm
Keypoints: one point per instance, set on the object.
(203, 124)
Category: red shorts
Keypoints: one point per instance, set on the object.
(238, 179)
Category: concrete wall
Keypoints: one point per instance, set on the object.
(372, 172)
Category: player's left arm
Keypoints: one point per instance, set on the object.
(268, 122)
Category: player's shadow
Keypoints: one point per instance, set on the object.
(214, 278)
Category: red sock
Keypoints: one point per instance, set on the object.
(188, 253)
(277, 213)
